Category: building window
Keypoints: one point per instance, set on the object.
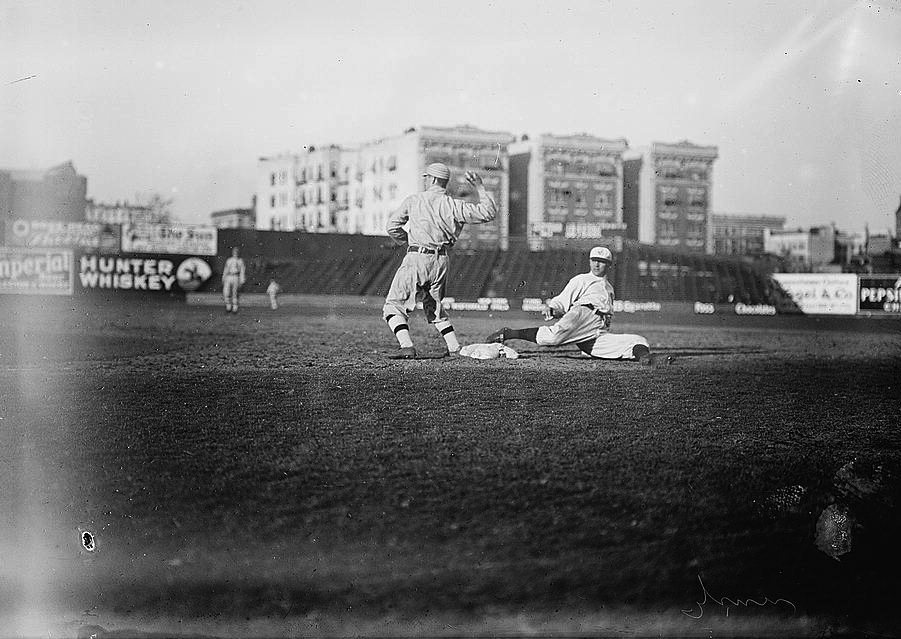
(603, 200)
(669, 170)
(333, 170)
(272, 179)
(606, 169)
(669, 196)
(392, 163)
(272, 202)
(392, 191)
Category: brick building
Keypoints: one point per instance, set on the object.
(566, 190)
(667, 195)
(742, 234)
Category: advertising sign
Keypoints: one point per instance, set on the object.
(820, 293)
(176, 239)
(142, 273)
(591, 230)
(880, 293)
(27, 271)
(53, 234)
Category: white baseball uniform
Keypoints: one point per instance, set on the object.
(435, 221)
(233, 277)
(586, 305)
(272, 291)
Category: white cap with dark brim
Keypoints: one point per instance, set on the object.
(601, 253)
(437, 170)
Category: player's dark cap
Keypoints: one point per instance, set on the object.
(601, 253)
(437, 170)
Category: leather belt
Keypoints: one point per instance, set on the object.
(594, 310)
(429, 251)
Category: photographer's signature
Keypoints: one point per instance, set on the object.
(727, 602)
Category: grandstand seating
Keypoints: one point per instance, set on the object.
(365, 265)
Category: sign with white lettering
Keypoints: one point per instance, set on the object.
(820, 293)
(880, 293)
(142, 273)
(180, 239)
(28, 271)
(49, 233)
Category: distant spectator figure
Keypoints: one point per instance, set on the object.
(233, 277)
(272, 291)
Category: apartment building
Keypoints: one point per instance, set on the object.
(354, 190)
(667, 195)
(566, 189)
(276, 193)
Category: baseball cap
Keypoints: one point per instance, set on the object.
(601, 253)
(437, 170)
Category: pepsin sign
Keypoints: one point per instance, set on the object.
(880, 293)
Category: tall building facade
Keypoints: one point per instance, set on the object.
(57, 193)
(467, 148)
(742, 234)
(566, 190)
(276, 193)
(316, 179)
(354, 190)
(667, 197)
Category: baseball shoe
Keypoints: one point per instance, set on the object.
(450, 353)
(498, 337)
(405, 352)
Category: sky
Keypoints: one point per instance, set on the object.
(802, 98)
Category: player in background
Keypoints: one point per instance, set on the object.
(585, 309)
(428, 224)
(272, 291)
(234, 275)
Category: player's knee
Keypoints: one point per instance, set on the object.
(548, 338)
(389, 312)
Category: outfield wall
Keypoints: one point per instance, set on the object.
(171, 261)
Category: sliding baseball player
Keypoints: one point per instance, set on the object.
(585, 309)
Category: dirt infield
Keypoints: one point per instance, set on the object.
(272, 473)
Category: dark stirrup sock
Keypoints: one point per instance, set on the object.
(528, 334)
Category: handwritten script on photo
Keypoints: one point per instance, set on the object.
(728, 602)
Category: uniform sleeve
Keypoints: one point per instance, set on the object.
(563, 301)
(608, 298)
(469, 213)
(396, 221)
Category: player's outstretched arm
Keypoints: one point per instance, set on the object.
(485, 210)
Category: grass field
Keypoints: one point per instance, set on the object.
(272, 473)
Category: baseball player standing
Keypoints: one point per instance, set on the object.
(585, 309)
(434, 220)
(233, 278)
